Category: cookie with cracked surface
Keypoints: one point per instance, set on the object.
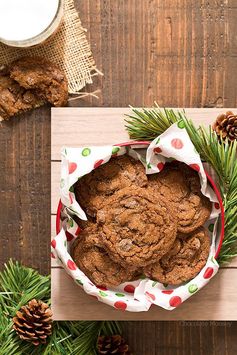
(14, 99)
(42, 76)
(184, 261)
(94, 189)
(180, 186)
(92, 259)
(136, 229)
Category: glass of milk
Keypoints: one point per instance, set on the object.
(26, 23)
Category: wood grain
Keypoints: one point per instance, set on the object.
(25, 189)
(182, 338)
(82, 126)
(205, 305)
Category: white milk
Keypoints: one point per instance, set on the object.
(21, 20)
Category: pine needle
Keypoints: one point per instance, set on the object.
(18, 285)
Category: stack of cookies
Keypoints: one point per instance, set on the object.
(141, 224)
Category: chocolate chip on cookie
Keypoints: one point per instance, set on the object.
(180, 186)
(92, 259)
(93, 190)
(136, 229)
(184, 261)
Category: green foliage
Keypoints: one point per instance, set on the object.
(18, 285)
(147, 124)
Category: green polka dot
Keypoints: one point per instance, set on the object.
(211, 227)
(65, 243)
(192, 288)
(62, 183)
(86, 152)
(149, 165)
(70, 222)
(79, 282)
(115, 150)
(181, 124)
(103, 294)
(165, 285)
(158, 140)
(213, 260)
(120, 294)
(142, 277)
(65, 151)
(154, 283)
(71, 189)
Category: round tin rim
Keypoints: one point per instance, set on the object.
(216, 190)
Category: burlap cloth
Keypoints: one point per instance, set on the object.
(68, 48)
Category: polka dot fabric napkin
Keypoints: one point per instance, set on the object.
(137, 296)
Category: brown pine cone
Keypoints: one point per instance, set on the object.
(225, 126)
(33, 323)
(112, 345)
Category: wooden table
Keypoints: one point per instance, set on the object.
(180, 53)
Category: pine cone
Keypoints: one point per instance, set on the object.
(225, 126)
(33, 322)
(112, 345)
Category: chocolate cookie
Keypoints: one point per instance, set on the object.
(93, 189)
(184, 261)
(44, 77)
(14, 99)
(180, 186)
(136, 229)
(90, 256)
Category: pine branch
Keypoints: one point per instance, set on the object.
(147, 124)
(18, 285)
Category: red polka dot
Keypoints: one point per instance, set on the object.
(102, 288)
(53, 243)
(195, 167)
(78, 231)
(151, 296)
(167, 292)
(72, 167)
(157, 150)
(208, 273)
(120, 305)
(175, 301)
(160, 166)
(71, 265)
(129, 288)
(69, 236)
(217, 206)
(177, 143)
(53, 256)
(98, 163)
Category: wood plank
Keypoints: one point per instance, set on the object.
(25, 189)
(217, 301)
(181, 338)
(77, 127)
